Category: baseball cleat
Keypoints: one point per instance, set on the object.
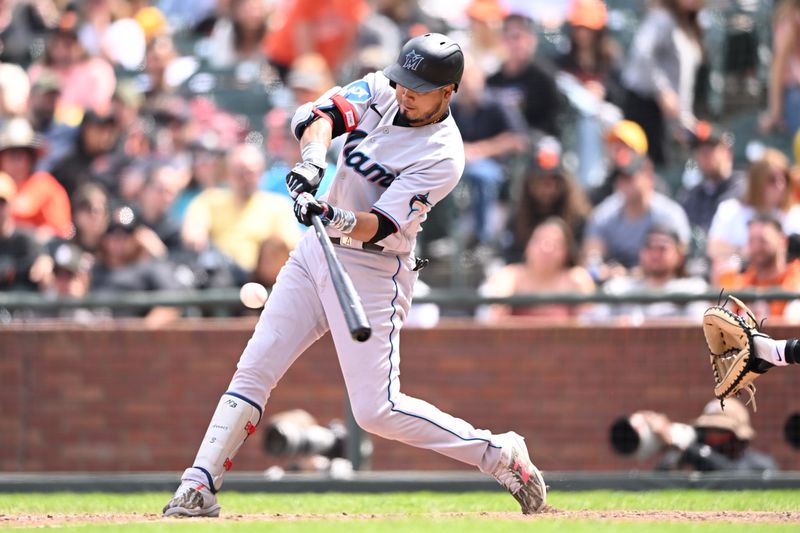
(520, 476)
(192, 499)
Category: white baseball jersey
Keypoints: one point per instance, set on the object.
(400, 172)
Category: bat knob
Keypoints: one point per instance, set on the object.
(361, 334)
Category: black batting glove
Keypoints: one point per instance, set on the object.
(304, 177)
(306, 205)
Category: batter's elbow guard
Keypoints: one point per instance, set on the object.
(305, 114)
(302, 118)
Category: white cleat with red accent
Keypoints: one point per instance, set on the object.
(192, 499)
(519, 475)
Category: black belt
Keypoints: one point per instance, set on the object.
(364, 245)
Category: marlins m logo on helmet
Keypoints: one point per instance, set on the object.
(413, 60)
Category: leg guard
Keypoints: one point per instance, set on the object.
(234, 420)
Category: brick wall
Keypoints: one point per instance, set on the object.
(123, 397)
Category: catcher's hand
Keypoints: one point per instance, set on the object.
(730, 338)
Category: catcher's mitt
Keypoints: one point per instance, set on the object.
(731, 343)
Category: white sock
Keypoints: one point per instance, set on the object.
(771, 350)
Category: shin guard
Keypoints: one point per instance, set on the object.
(234, 420)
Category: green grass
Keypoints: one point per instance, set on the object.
(416, 507)
(413, 502)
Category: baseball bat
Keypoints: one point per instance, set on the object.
(353, 310)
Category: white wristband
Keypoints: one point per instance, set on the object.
(314, 153)
(342, 219)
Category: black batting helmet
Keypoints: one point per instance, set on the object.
(427, 62)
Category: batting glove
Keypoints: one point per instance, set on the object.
(306, 205)
(304, 177)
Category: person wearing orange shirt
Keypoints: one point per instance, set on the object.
(41, 202)
(769, 268)
(328, 27)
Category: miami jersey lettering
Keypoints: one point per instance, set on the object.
(383, 166)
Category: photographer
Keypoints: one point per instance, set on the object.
(718, 440)
(296, 434)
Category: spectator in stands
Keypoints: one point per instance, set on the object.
(549, 15)
(172, 116)
(624, 139)
(409, 17)
(22, 23)
(713, 153)
(548, 190)
(58, 136)
(123, 264)
(594, 57)
(14, 90)
(131, 180)
(483, 38)
(160, 64)
(181, 13)
(238, 38)
(327, 27)
(155, 21)
(273, 252)
(768, 268)
(309, 77)
(661, 71)
(41, 202)
(783, 88)
(492, 132)
(284, 152)
(126, 104)
(550, 266)
(206, 171)
(618, 226)
(521, 81)
(95, 157)
(767, 192)
(21, 265)
(155, 201)
(96, 16)
(662, 261)
(107, 30)
(135, 136)
(236, 220)
(86, 82)
(91, 217)
(71, 267)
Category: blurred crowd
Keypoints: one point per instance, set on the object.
(144, 144)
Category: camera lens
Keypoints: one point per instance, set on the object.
(275, 441)
(624, 438)
(791, 430)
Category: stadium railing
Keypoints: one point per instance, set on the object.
(227, 299)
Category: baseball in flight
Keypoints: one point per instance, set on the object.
(253, 295)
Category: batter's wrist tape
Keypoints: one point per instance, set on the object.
(792, 351)
(314, 153)
(342, 219)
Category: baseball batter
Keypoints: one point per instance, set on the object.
(403, 153)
